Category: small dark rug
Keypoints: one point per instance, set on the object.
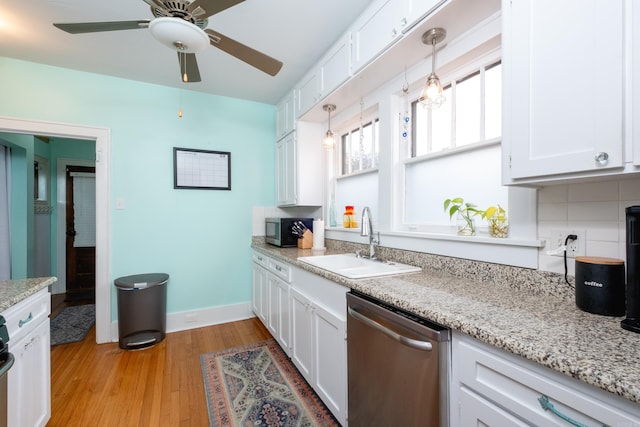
(72, 324)
(257, 385)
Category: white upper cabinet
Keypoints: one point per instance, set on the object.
(634, 117)
(298, 168)
(564, 80)
(335, 66)
(415, 11)
(285, 115)
(377, 28)
(308, 91)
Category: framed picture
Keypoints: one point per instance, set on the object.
(201, 169)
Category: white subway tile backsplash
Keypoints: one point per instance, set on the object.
(604, 249)
(593, 191)
(630, 189)
(593, 211)
(553, 194)
(552, 212)
(596, 207)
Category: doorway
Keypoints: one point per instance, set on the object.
(80, 233)
(105, 331)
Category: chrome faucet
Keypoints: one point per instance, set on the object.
(366, 229)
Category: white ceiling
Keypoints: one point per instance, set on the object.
(293, 31)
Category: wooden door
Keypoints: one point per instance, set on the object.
(81, 259)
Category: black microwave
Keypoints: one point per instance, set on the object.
(278, 231)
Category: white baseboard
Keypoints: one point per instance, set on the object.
(185, 320)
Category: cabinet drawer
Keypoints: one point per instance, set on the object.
(261, 259)
(516, 384)
(23, 317)
(280, 269)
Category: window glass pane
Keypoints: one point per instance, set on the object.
(475, 176)
(468, 110)
(493, 102)
(366, 146)
(344, 145)
(354, 151)
(441, 123)
(420, 129)
(376, 142)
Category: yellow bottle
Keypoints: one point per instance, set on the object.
(348, 217)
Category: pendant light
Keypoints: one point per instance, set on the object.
(431, 96)
(329, 141)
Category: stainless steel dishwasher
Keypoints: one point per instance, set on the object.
(398, 366)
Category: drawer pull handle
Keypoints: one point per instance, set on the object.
(548, 406)
(21, 323)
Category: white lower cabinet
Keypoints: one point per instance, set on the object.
(306, 314)
(270, 300)
(318, 339)
(29, 380)
(492, 387)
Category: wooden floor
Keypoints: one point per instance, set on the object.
(102, 385)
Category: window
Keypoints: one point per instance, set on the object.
(471, 113)
(359, 148)
(459, 144)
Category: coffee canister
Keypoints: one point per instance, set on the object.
(600, 285)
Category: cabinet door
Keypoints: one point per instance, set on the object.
(283, 333)
(377, 28)
(29, 381)
(308, 91)
(563, 65)
(335, 65)
(635, 85)
(260, 295)
(416, 10)
(286, 170)
(273, 317)
(285, 115)
(301, 335)
(330, 361)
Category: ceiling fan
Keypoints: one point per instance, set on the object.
(181, 26)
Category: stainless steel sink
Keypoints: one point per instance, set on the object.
(352, 267)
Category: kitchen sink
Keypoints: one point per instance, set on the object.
(353, 267)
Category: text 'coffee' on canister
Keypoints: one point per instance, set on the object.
(600, 285)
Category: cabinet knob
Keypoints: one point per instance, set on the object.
(403, 21)
(602, 158)
(394, 32)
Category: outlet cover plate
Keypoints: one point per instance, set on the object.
(574, 247)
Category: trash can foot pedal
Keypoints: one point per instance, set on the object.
(139, 343)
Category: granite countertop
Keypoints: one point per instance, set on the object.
(14, 291)
(545, 328)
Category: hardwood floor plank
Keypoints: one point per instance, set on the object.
(103, 385)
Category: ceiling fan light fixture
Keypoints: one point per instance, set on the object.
(178, 34)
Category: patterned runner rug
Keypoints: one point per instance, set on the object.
(257, 385)
(72, 324)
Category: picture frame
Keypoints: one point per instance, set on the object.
(201, 169)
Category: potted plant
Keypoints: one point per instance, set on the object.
(496, 216)
(465, 213)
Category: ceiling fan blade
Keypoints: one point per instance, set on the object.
(244, 53)
(206, 8)
(188, 67)
(95, 27)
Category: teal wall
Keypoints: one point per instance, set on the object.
(200, 237)
(22, 152)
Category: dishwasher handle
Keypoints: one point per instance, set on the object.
(410, 342)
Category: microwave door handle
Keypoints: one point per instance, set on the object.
(410, 342)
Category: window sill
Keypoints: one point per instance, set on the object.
(508, 251)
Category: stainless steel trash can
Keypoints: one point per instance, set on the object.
(142, 309)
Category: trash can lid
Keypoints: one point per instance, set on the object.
(141, 281)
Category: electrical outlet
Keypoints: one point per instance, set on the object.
(191, 317)
(574, 247)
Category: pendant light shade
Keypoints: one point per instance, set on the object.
(329, 141)
(432, 96)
